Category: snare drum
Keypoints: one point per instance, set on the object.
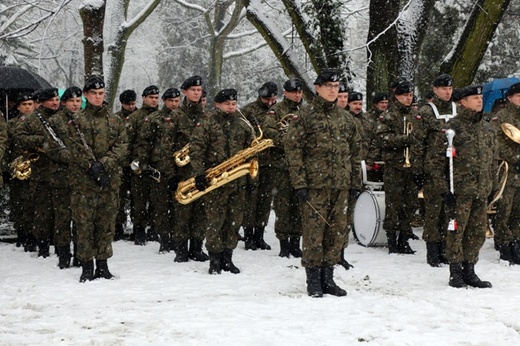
(369, 214)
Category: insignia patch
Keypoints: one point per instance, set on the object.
(167, 119)
(295, 117)
(418, 117)
(198, 125)
(381, 117)
(22, 118)
(494, 119)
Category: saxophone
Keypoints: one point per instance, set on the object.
(21, 166)
(182, 157)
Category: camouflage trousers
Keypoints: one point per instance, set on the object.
(62, 215)
(161, 205)
(189, 221)
(322, 242)
(140, 195)
(400, 199)
(43, 217)
(435, 220)
(124, 198)
(506, 223)
(94, 215)
(465, 243)
(258, 202)
(286, 207)
(21, 205)
(224, 212)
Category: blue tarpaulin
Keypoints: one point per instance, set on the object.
(496, 90)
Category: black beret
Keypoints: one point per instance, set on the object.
(513, 89)
(171, 93)
(457, 94)
(443, 80)
(127, 96)
(94, 82)
(70, 93)
(327, 75)
(293, 84)
(192, 81)
(47, 94)
(268, 89)
(150, 90)
(472, 90)
(226, 95)
(355, 96)
(26, 96)
(396, 81)
(380, 96)
(343, 88)
(403, 87)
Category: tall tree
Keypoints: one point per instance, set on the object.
(93, 17)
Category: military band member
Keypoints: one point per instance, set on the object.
(322, 154)
(217, 138)
(288, 227)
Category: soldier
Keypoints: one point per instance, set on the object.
(429, 169)
(506, 223)
(216, 139)
(140, 183)
(475, 144)
(155, 151)
(259, 193)
(288, 227)
(322, 154)
(128, 105)
(379, 104)
(190, 223)
(34, 135)
(395, 139)
(95, 176)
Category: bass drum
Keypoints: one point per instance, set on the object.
(369, 214)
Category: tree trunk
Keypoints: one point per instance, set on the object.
(93, 19)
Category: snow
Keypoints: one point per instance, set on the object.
(392, 300)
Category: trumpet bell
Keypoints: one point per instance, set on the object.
(511, 131)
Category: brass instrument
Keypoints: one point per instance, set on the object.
(182, 157)
(229, 170)
(283, 124)
(510, 131)
(503, 180)
(21, 166)
(153, 173)
(408, 127)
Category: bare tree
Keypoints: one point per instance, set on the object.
(93, 17)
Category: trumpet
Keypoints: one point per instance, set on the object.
(21, 166)
(408, 127)
(182, 157)
(283, 124)
(150, 171)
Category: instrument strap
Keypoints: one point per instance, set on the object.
(445, 117)
(83, 140)
(50, 130)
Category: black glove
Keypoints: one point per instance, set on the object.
(200, 182)
(97, 172)
(250, 188)
(450, 200)
(302, 194)
(418, 178)
(354, 193)
(173, 183)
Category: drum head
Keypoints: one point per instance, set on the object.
(368, 218)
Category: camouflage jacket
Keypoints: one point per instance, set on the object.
(60, 157)
(217, 138)
(155, 143)
(367, 131)
(133, 127)
(124, 114)
(508, 150)
(322, 148)
(105, 135)
(272, 130)
(474, 164)
(374, 150)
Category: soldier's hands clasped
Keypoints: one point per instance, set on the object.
(302, 194)
(200, 182)
(97, 172)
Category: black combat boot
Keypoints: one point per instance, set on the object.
(226, 262)
(343, 262)
(294, 247)
(139, 236)
(471, 279)
(64, 256)
(327, 282)
(182, 252)
(43, 248)
(392, 242)
(120, 232)
(432, 254)
(259, 239)
(30, 244)
(164, 244)
(515, 251)
(196, 252)
(214, 263)
(21, 237)
(249, 238)
(102, 270)
(442, 252)
(284, 248)
(75, 260)
(456, 274)
(314, 288)
(87, 273)
(505, 252)
(402, 244)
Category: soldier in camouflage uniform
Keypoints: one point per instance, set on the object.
(400, 190)
(190, 223)
(507, 219)
(155, 149)
(288, 227)
(128, 105)
(216, 139)
(32, 136)
(473, 170)
(430, 120)
(259, 192)
(98, 145)
(322, 154)
(140, 183)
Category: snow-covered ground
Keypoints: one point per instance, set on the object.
(392, 300)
